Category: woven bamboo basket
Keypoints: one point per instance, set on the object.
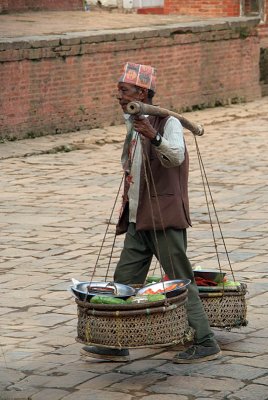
(133, 325)
(226, 309)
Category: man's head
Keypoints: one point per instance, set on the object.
(136, 83)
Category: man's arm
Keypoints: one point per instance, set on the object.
(172, 148)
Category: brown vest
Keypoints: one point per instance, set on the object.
(163, 200)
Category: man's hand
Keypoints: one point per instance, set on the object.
(142, 125)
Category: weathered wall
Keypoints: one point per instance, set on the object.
(212, 8)
(9, 6)
(62, 84)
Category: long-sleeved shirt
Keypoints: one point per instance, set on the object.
(170, 153)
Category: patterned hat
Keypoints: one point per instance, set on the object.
(140, 75)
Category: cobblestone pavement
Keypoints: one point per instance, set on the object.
(56, 196)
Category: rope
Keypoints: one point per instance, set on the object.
(148, 174)
(131, 156)
(105, 234)
(146, 159)
(205, 182)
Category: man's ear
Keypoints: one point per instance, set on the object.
(143, 94)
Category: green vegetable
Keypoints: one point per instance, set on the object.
(153, 279)
(155, 297)
(130, 300)
(229, 283)
(106, 300)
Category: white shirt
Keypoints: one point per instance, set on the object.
(170, 153)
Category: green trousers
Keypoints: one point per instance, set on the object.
(170, 249)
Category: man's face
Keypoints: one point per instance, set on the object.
(127, 93)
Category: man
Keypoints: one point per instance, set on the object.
(155, 211)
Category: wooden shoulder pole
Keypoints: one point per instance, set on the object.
(139, 108)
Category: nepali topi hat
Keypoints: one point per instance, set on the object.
(140, 75)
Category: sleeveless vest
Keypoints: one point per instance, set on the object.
(163, 197)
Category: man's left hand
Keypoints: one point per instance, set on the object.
(142, 125)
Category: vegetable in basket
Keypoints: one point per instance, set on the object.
(106, 300)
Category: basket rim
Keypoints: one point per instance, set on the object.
(225, 292)
(128, 313)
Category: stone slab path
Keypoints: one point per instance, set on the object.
(56, 196)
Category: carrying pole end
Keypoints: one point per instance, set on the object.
(200, 131)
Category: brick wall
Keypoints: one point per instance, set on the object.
(211, 8)
(9, 6)
(60, 85)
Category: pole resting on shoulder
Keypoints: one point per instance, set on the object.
(139, 108)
